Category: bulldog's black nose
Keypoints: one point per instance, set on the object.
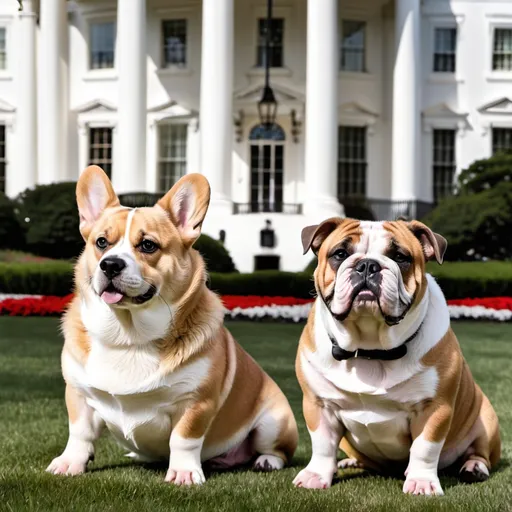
(112, 266)
(367, 268)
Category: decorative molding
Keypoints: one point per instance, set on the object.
(6, 107)
(499, 106)
(356, 114)
(296, 126)
(239, 129)
(250, 96)
(97, 105)
(442, 116)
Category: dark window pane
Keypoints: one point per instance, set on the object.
(443, 162)
(353, 46)
(275, 44)
(445, 41)
(174, 34)
(172, 155)
(100, 149)
(502, 49)
(351, 162)
(102, 45)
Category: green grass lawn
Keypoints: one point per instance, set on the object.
(33, 430)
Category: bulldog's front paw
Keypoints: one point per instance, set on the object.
(185, 477)
(427, 487)
(310, 480)
(67, 465)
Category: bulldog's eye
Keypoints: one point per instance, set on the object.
(148, 246)
(102, 243)
(401, 258)
(340, 255)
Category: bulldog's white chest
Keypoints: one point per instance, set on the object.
(375, 414)
(131, 394)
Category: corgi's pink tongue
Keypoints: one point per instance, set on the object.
(112, 297)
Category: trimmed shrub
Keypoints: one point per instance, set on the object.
(216, 256)
(49, 278)
(11, 233)
(52, 228)
(458, 280)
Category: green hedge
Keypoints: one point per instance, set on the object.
(49, 278)
(457, 280)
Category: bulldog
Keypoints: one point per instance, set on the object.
(381, 369)
(146, 354)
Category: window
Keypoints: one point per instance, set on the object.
(174, 43)
(443, 161)
(275, 45)
(445, 41)
(172, 157)
(351, 161)
(502, 50)
(353, 46)
(100, 148)
(3, 48)
(3, 161)
(267, 168)
(102, 43)
(501, 140)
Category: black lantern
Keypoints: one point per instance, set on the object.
(267, 106)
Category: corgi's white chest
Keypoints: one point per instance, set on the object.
(127, 388)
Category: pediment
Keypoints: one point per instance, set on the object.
(500, 106)
(6, 107)
(172, 109)
(356, 109)
(252, 94)
(442, 110)
(97, 105)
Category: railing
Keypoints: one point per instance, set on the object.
(286, 208)
(139, 199)
(385, 209)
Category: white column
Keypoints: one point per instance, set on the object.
(24, 172)
(321, 153)
(406, 101)
(216, 119)
(129, 172)
(52, 91)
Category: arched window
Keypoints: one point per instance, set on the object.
(264, 132)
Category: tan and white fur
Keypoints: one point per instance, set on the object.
(421, 412)
(146, 353)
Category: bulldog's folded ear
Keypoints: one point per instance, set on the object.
(314, 236)
(433, 244)
(94, 193)
(187, 203)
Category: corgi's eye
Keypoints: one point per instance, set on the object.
(102, 243)
(148, 246)
(402, 258)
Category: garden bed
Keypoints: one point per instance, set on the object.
(241, 307)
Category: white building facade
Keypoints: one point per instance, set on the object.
(380, 103)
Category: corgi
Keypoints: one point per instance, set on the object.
(146, 354)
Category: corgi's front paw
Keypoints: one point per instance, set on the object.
(310, 480)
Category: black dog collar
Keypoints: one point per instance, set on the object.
(393, 354)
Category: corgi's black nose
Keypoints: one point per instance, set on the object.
(112, 266)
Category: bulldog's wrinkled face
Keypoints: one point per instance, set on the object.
(372, 268)
(134, 254)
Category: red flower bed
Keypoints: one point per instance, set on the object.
(49, 305)
(37, 306)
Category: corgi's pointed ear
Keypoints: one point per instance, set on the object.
(94, 193)
(187, 203)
